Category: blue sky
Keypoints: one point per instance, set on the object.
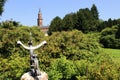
(26, 11)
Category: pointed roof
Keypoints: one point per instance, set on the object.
(39, 11)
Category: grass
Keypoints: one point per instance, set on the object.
(114, 54)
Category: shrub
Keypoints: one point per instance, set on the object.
(108, 38)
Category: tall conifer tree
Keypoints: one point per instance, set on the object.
(94, 12)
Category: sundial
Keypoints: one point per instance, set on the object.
(34, 64)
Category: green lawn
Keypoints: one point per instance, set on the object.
(114, 53)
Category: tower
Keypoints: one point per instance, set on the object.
(40, 20)
(43, 28)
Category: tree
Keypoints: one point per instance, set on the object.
(68, 23)
(56, 25)
(117, 35)
(102, 26)
(94, 12)
(2, 2)
(74, 19)
(86, 22)
(80, 19)
(110, 22)
(109, 39)
(10, 24)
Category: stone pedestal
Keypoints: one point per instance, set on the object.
(27, 76)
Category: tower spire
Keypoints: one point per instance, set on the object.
(40, 20)
(39, 10)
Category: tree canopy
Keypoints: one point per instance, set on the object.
(85, 20)
(56, 25)
(2, 2)
(94, 12)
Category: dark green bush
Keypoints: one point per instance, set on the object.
(108, 38)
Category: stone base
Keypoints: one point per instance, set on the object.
(27, 76)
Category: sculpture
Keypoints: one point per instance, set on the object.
(34, 65)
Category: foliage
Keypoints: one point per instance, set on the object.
(94, 12)
(73, 44)
(62, 69)
(68, 22)
(56, 25)
(9, 24)
(108, 37)
(13, 67)
(2, 2)
(85, 20)
(108, 24)
(14, 59)
(70, 55)
(102, 68)
(118, 32)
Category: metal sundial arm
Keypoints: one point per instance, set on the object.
(39, 45)
(31, 47)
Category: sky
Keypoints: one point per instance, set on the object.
(26, 11)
